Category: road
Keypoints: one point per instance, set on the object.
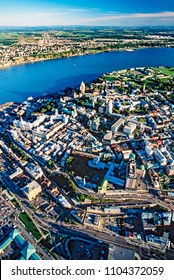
(23, 202)
(81, 231)
(84, 233)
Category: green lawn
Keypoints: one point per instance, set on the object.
(109, 78)
(165, 71)
(25, 219)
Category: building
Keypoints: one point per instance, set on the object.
(32, 190)
(131, 173)
(129, 128)
(112, 210)
(160, 157)
(132, 170)
(18, 171)
(109, 107)
(138, 123)
(96, 163)
(82, 88)
(108, 135)
(92, 220)
(94, 124)
(115, 127)
(170, 170)
(34, 171)
(119, 253)
(27, 125)
(148, 149)
(63, 201)
(25, 249)
(44, 133)
(126, 154)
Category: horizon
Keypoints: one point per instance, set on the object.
(134, 13)
(87, 26)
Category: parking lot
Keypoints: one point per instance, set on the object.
(6, 209)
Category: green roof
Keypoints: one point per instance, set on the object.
(9, 239)
(20, 241)
(27, 251)
(35, 256)
(14, 233)
(67, 111)
(142, 167)
(21, 258)
(132, 156)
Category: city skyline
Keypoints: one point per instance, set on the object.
(100, 13)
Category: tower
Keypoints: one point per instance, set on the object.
(74, 112)
(82, 88)
(109, 107)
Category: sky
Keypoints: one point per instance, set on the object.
(88, 12)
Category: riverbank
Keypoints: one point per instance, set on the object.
(3, 67)
(31, 60)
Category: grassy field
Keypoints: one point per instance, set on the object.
(110, 78)
(25, 219)
(165, 71)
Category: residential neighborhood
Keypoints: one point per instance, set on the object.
(91, 165)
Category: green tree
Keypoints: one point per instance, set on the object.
(50, 162)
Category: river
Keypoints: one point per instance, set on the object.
(19, 82)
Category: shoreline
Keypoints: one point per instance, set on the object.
(76, 55)
(54, 58)
(9, 103)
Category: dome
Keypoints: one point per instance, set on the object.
(142, 167)
(132, 156)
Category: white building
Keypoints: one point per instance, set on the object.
(108, 135)
(27, 125)
(16, 173)
(148, 148)
(109, 107)
(129, 128)
(82, 88)
(63, 201)
(34, 171)
(160, 157)
(115, 127)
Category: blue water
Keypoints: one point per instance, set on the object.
(19, 82)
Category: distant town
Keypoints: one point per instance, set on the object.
(88, 173)
(25, 45)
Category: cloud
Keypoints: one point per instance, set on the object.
(77, 10)
(60, 12)
(165, 14)
(48, 14)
